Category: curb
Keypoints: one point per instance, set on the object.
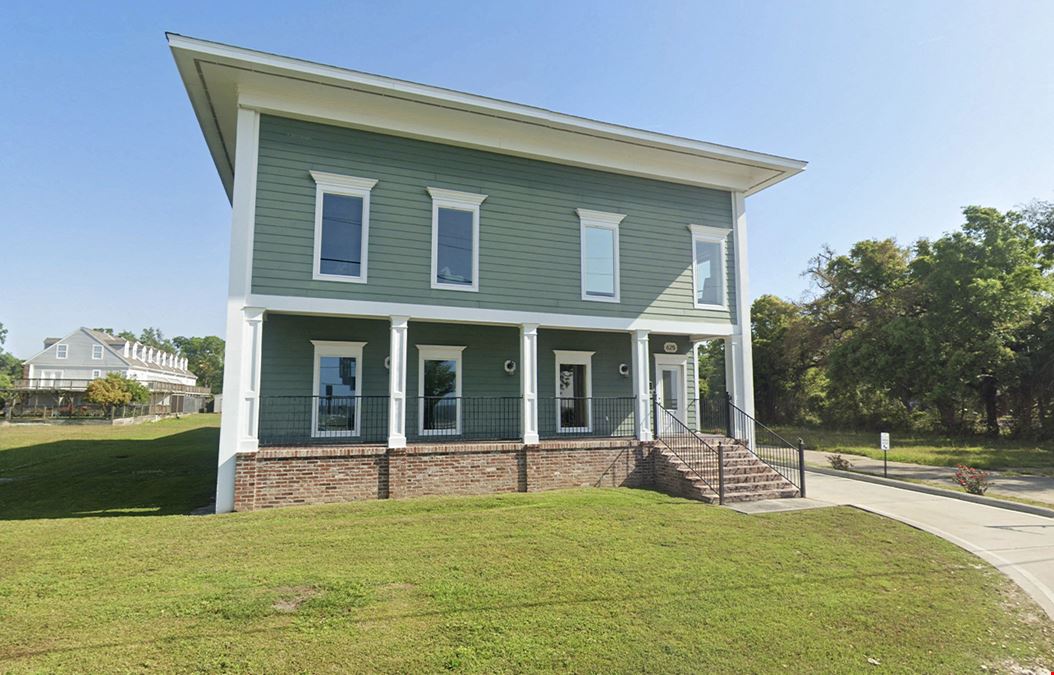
(939, 492)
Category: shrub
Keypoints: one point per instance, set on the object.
(115, 390)
(974, 481)
(839, 462)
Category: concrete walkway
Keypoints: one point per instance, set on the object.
(1020, 545)
(1036, 488)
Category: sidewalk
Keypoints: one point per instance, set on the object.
(1018, 544)
(1036, 488)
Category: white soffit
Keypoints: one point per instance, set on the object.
(219, 78)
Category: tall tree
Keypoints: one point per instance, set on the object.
(204, 359)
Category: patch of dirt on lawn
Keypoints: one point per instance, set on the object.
(292, 598)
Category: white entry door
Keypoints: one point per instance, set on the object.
(669, 389)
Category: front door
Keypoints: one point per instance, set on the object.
(669, 389)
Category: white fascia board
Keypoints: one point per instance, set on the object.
(288, 304)
(301, 89)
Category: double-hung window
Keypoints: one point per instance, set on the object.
(574, 391)
(337, 386)
(709, 272)
(455, 239)
(439, 387)
(600, 255)
(342, 226)
(96, 352)
(62, 351)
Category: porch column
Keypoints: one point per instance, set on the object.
(397, 383)
(641, 384)
(740, 342)
(529, 381)
(241, 384)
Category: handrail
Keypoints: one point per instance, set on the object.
(788, 457)
(683, 431)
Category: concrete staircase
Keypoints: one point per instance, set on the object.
(747, 478)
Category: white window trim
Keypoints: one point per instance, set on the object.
(438, 353)
(459, 201)
(574, 358)
(348, 186)
(62, 351)
(604, 220)
(96, 374)
(346, 350)
(711, 235)
(101, 352)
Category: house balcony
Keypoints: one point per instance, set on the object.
(52, 384)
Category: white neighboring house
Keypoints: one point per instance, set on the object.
(62, 370)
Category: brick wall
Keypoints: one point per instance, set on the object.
(285, 476)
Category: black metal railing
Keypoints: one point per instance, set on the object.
(604, 416)
(315, 420)
(437, 419)
(708, 414)
(704, 460)
(785, 457)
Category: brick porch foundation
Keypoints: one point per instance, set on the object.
(275, 477)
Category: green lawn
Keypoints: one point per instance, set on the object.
(929, 449)
(586, 580)
(89, 470)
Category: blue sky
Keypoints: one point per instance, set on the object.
(111, 213)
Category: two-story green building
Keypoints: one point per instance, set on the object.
(413, 266)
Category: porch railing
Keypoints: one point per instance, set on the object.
(438, 419)
(59, 384)
(317, 420)
(609, 416)
(708, 414)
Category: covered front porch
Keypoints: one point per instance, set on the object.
(333, 381)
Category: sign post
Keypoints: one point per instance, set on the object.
(883, 441)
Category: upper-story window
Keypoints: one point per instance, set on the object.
(600, 255)
(455, 239)
(342, 226)
(96, 352)
(709, 272)
(62, 351)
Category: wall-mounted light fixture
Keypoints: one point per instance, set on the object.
(623, 370)
(510, 366)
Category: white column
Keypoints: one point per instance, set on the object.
(241, 366)
(742, 355)
(529, 381)
(642, 384)
(397, 383)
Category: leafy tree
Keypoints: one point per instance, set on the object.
(10, 366)
(204, 359)
(116, 390)
(153, 337)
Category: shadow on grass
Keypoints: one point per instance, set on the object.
(173, 474)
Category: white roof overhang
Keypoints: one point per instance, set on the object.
(220, 78)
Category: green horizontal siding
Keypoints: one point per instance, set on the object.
(529, 231)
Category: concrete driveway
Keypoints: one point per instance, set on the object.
(1020, 545)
